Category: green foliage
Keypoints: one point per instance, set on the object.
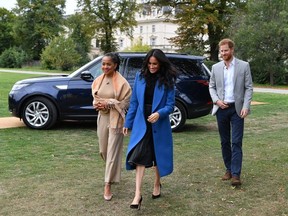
(261, 38)
(209, 64)
(109, 16)
(60, 54)
(37, 23)
(138, 47)
(6, 29)
(12, 58)
(199, 19)
(81, 30)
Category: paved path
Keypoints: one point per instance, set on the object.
(29, 72)
(10, 122)
(271, 90)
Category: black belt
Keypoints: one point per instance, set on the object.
(230, 104)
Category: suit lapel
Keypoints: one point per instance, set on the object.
(236, 70)
(221, 71)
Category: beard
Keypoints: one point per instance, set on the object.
(227, 57)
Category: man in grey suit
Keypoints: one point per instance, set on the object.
(231, 90)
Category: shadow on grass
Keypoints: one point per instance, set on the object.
(75, 125)
(79, 125)
(189, 127)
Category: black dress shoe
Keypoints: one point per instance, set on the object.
(157, 196)
(136, 206)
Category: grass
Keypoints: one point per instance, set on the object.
(59, 171)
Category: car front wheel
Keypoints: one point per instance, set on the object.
(39, 113)
(178, 117)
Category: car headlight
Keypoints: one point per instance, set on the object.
(17, 87)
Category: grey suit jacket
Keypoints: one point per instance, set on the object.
(243, 86)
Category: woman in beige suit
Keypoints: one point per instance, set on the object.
(111, 93)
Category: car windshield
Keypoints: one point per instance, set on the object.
(92, 67)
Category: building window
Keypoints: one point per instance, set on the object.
(152, 41)
(141, 29)
(95, 43)
(121, 43)
(153, 28)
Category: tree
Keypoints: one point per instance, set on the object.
(6, 29)
(81, 30)
(38, 22)
(138, 47)
(60, 54)
(202, 24)
(12, 58)
(261, 37)
(109, 15)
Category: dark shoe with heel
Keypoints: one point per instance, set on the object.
(137, 206)
(157, 196)
(227, 176)
(235, 181)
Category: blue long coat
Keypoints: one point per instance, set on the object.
(163, 103)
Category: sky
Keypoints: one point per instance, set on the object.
(70, 5)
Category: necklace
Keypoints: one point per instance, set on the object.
(108, 80)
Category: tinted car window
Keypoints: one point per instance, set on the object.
(133, 66)
(188, 66)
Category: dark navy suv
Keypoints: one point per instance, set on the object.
(41, 102)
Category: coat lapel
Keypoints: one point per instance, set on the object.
(141, 92)
(158, 95)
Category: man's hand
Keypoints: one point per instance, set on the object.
(222, 104)
(244, 113)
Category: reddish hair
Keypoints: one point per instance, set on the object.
(228, 41)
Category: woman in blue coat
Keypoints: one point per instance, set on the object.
(152, 101)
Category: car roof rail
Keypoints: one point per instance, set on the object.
(131, 52)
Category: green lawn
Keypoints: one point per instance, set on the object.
(59, 171)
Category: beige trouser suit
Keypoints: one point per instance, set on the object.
(110, 142)
(110, 148)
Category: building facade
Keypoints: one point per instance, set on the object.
(152, 29)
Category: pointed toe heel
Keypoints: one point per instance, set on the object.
(158, 195)
(137, 206)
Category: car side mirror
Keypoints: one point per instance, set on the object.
(86, 75)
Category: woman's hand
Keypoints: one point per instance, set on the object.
(100, 105)
(153, 117)
(125, 131)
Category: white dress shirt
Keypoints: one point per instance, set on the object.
(228, 82)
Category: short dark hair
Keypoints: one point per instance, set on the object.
(115, 58)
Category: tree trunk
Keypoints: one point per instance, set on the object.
(271, 78)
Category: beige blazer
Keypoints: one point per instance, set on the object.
(243, 86)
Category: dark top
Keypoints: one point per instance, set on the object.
(150, 86)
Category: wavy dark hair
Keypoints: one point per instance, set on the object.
(115, 58)
(166, 74)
